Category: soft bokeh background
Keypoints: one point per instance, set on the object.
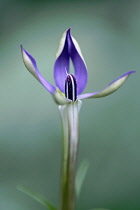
(30, 128)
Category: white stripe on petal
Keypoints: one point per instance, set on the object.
(78, 48)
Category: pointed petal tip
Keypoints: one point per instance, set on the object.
(132, 71)
(22, 48)
(128, 73)
(68, 32)
(69, 29)
(125, 76)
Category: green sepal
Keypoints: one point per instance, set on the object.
(80, 176)
(38, 197)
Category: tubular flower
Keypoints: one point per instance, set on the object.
(69, 86)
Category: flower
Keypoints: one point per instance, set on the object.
(69, 87)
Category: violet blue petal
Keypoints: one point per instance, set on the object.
(61, 66)
(69, 49)
(112, 87)
(79, 64)
(31, 65)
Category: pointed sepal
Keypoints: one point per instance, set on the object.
(112, 87)
(31, 65)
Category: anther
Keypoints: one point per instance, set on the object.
(71, 87)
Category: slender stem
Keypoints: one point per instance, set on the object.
(70, 122)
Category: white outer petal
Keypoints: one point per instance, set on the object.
(61, 44)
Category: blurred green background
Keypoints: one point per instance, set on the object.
(30, 129)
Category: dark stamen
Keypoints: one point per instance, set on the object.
(71, 87)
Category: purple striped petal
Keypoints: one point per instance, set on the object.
(112, 87)
(69, 49)
(31, 65)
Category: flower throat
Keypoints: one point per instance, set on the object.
(71, 87)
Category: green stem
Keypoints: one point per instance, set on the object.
(70, 123)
